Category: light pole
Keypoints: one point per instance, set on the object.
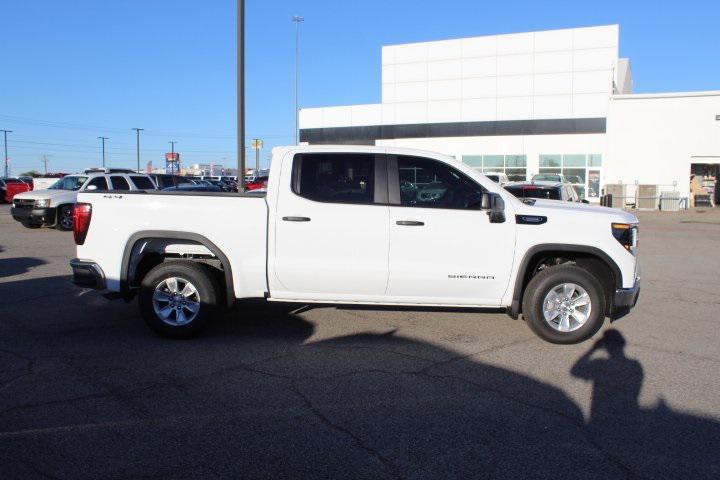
(297, 19)
(241, 94)
(103, 149)
(5, 132)
(138, 130)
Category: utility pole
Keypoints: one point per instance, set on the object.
(103, 149)
(172, 156)
(241, 94)
(138, 130)
(45, 162)
(5, 132)
(297, 19)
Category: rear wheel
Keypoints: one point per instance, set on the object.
(564, 304)
(65, 218)
(178, 298)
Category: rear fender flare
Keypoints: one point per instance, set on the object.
(175, 235)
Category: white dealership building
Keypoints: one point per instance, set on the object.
(527, 103)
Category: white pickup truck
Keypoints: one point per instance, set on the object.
(360, 225)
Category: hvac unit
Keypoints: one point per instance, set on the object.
(670, 201)
(647, 197)
(618, 192)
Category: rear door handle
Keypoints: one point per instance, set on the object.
(410, 223)
(296, 219)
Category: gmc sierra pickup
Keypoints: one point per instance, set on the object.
(360, 225)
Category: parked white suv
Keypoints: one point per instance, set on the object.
(54, 206)
(361, 225)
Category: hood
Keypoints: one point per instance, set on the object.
(548, 207)
(51, 194)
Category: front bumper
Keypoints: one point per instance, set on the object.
(625, 299)
(87, 274)
(34, 215)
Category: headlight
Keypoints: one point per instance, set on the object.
(627, 235)
(42, 203)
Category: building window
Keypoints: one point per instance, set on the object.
(514, 166)
(574, 168)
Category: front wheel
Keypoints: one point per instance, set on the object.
(177, 298)
(65, 218)
(564, 304)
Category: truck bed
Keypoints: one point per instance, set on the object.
(233, 223)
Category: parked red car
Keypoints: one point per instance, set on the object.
(9, 187)
(256, 183)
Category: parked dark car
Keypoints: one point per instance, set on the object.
(544, 190)
(193, 187)
(165, 180)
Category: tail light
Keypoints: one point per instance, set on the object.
(82, 213)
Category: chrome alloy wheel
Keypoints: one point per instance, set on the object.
(567, 307)
(176, 301)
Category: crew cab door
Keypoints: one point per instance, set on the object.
(331, 228)
(443, 247)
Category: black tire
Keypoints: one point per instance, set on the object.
(550, 278)
(65, 218)
(199, 276)
(31, 225)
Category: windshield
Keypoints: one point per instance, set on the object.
(12, 180)
(69, 183)
(549, 193)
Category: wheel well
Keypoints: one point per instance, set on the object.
(59, 208)
(144, 254)
(594, 264)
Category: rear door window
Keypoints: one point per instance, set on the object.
(142, 183)
(99, 182)
(119, 183)
(335, 177)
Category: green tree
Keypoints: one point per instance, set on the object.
(31, 173)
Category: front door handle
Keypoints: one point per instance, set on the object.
(410, 223)
(296, 219)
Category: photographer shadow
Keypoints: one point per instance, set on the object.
(658, 442)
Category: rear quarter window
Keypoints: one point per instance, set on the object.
(142, 183)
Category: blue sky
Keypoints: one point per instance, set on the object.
(74, 70)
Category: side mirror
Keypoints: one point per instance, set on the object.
(584, 201)
(90, 188)
(495, 206)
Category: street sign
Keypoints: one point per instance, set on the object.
(172, 157)
(257, 144)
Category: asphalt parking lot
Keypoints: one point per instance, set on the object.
(87, 391)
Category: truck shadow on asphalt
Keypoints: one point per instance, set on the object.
(18, 265)
(258, 397)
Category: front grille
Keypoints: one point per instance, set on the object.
(23, 203)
